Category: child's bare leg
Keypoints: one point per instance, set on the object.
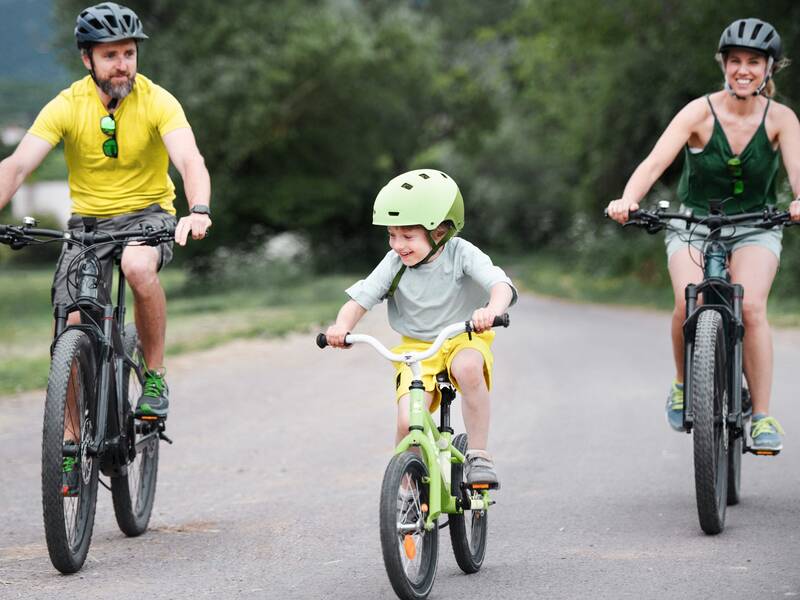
(467, 370)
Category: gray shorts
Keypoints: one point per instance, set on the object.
(732, 238)
(62, 292)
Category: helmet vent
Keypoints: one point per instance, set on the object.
(407, 186)
(443, 175)
(424, 175)
(770, 35)
(741, 28)
(112, 21)
(394, 213)
(95, 23)
(756, 31)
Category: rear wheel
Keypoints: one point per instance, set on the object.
(710, 432)
(70, 417)
(468, 529)
(410, 552)
(134, 491)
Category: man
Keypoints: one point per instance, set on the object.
(120, 130)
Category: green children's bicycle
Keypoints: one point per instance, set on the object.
(425, 479)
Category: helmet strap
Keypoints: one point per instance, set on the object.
(435, 246)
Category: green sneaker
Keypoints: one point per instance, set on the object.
(71, 481)
(766, 433)
(675, 406)
(154, 401)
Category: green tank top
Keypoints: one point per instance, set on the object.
(707, 175)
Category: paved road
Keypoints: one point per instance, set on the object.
(269, 492)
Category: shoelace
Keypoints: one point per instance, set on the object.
(153, 385)
(766, 425)
(676, 398)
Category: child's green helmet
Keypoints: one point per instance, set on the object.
(424, 197)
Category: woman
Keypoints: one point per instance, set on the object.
(732, 140)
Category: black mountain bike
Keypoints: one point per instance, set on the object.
(716, 405)
(96, 375)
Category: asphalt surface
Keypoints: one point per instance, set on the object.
(271, 489)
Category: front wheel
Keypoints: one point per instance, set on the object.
(69, 468)
(468, 529)
(710, 432)
(410, 552)
(134, 491)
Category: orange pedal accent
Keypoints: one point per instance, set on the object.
(424, 507)
(410, 547)
(149, 418)
(480, 486)
(65, 490)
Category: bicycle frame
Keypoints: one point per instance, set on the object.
(435, 443)
(104, 323)
(724, 297)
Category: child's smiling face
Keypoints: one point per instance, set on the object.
(410, 243)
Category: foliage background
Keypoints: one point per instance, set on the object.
(540, 109)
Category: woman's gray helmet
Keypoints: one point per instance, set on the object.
(755, 35)
(107, 22)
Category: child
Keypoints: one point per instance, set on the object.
(431, 283)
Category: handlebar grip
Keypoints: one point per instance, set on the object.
(501, 321)
(322, 341)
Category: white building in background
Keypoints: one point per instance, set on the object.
(42, 198)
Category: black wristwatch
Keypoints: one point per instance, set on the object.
(201, 209)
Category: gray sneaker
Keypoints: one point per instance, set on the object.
(766, 433)
(674, 406)
(480, 469)
(154, 401)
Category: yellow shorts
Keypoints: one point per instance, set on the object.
(440, 361)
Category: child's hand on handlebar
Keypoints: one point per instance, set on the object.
(335, 336)
(483, 318)
(619, 209)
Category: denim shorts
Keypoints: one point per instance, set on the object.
(732, 238)
(62, 292)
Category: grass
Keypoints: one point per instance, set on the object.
(550, 276)
(274, 305)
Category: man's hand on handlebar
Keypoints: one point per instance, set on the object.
(195, 223)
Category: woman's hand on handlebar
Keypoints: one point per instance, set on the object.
(794, 210)
(335, 336)
(619, 209)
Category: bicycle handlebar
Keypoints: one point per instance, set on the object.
(445, 334)
(18, 236)
(655, 220)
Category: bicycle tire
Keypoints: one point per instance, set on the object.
(410, 558)
(468, 529)
(69, 520)
(133, 492)
(710, 430)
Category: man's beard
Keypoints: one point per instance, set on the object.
(118, 91)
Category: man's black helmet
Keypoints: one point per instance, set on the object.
(107, 22)
(751, 34)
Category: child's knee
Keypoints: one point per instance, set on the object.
(469, 373)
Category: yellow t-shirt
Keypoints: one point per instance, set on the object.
(138, 177)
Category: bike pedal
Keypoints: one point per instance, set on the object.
(483, 486)
(759, 452)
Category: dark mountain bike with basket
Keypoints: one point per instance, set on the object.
(716, 405)
(95, 379)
